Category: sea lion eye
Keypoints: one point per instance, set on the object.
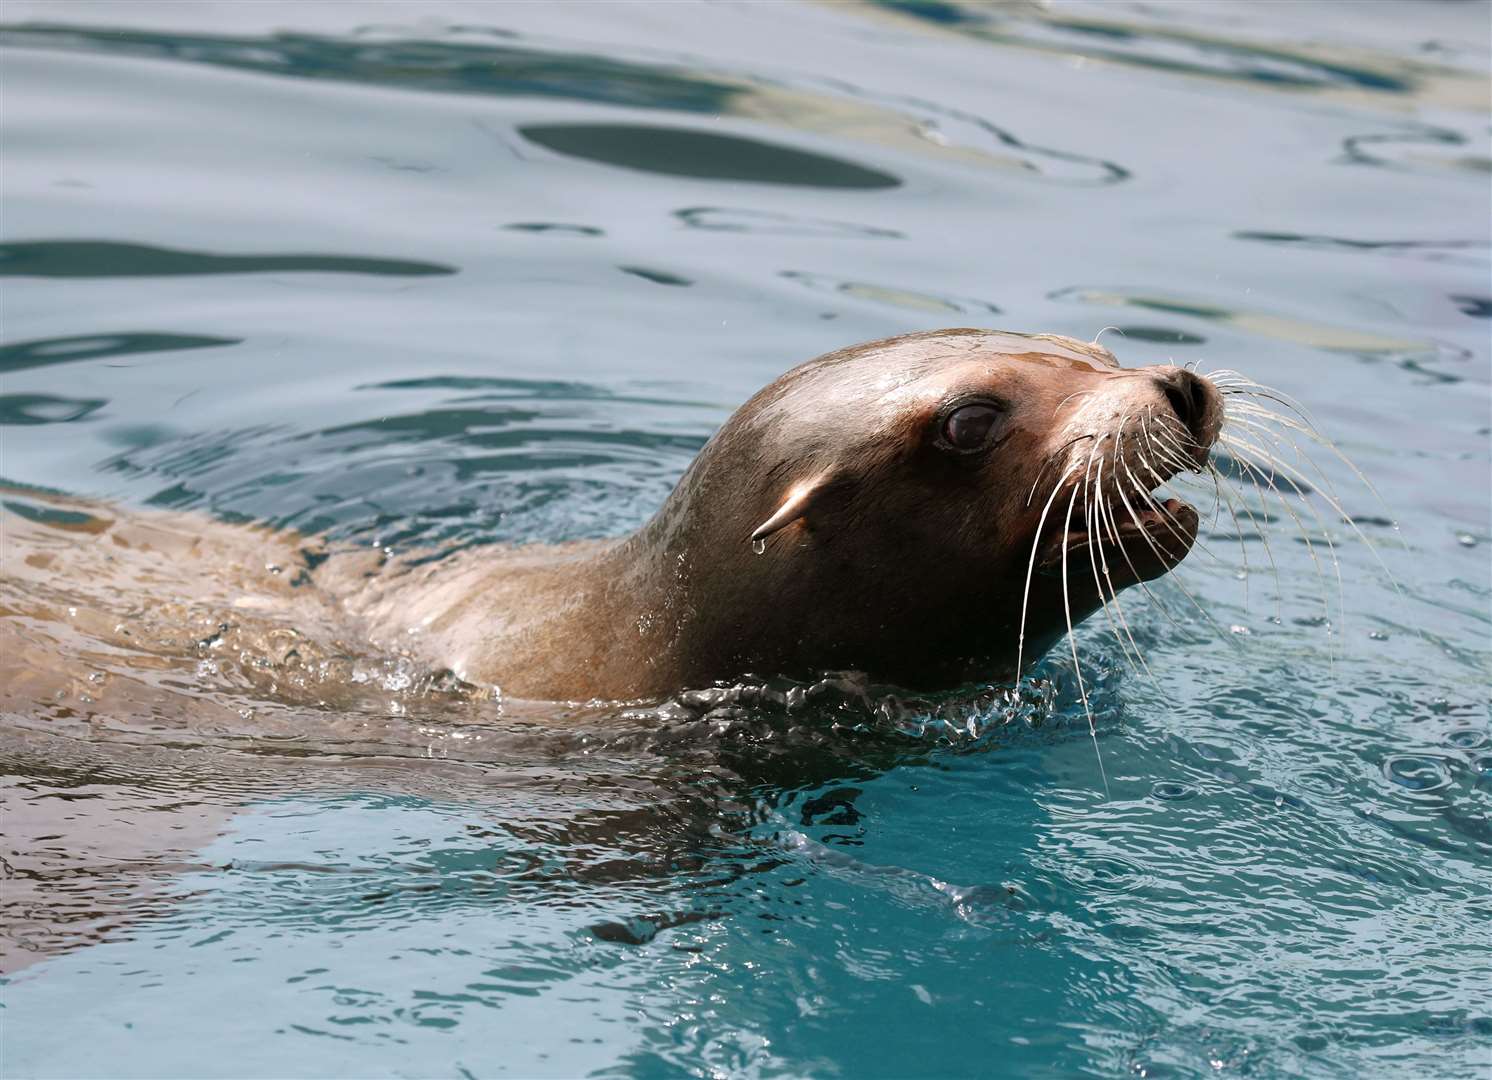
(969, 427)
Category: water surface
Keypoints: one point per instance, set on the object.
(407, 274)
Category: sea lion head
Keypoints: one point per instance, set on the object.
(933, 509)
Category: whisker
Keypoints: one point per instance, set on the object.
(1072, 641)
(1097, 512)
(1020, 646)
(1090, 522)
(1241, 451)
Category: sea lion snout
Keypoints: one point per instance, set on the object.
(1196, 403)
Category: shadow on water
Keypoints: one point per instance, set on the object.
(101, 258)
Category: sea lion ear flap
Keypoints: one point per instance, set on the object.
(794, 505)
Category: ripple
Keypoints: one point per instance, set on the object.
(1320, 782)
(28, 409)
(1466, 739)
(556, 227)
(1169, 47)
(1415, 151)
(657, 277)
(445, 59)
(892, 296)
(1478, 307)
(1420, 356)
(1173, 790)
(770, 222)
(703, 155)
(1417, 772)
(103, 258)
(44, 352)
(1473, 252)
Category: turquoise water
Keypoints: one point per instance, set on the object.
(410, 274)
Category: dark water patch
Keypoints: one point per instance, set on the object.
(1161, 335)
(643, 929)
(446, 66)
(769, 222)
(556, 389)
(493, 388)
(1420, 357)
(1430, 250)
(1169, 49)
(557, 227)
(1260, 476)
(1478, 307)
(44, 352)
(703, 155)
(933, 11)
(463, 67)
(102, 258)
(892, 296)
(657, 277)
(54, 517)
(29, 409)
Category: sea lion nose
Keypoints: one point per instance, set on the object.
(1191, 398)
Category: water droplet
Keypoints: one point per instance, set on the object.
(1466, 540)
(72, 613)
(1377, 635)
(1172, 790)
(1243, 631)
(1417, 772)
(272, 568)
(758, 547)
(246, 714)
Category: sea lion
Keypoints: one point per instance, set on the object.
(931, 510)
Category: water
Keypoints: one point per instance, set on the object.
(408, 274)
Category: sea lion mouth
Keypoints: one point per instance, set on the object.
(1123, 544)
